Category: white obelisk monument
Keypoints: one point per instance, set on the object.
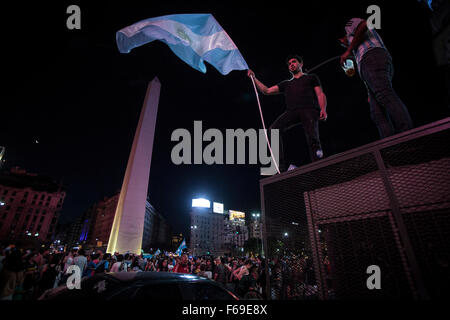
(128, 226)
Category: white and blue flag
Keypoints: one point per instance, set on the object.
(181, 247)
(194, 38)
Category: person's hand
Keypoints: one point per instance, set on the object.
(323, 115)
(343, 41)
(250, 73)
(345, 56)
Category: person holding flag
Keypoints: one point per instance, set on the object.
(182, 266)
(181, 247)
(306, 104)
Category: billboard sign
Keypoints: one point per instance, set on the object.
(236, 215)
(201, 203)
(217, 207)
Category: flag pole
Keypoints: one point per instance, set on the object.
(264, 126)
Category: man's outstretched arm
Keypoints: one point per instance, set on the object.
(261, 87)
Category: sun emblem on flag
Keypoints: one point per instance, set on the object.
(183, 35)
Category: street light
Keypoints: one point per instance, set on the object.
(2, 203)
(285, 234)
(256, 217)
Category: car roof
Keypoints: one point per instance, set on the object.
(138, 278)
(155, 276)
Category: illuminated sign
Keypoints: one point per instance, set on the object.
(217, 207)
(200, 203)
(236, 215)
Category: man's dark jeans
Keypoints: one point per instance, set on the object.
(386, 109)
(309, 118)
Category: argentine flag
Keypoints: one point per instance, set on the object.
(181, 247)
(194, 38)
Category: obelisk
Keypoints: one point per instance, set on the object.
(128, 226)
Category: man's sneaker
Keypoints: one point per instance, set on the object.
(319, 154)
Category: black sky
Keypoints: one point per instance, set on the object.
(80, 98)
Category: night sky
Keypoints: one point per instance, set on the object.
(80, 98)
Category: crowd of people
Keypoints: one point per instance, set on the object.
(27, 274)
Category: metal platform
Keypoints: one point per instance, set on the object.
(385, 204)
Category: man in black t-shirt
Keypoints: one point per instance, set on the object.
(306, 104)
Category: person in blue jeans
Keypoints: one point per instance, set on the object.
(375, 68)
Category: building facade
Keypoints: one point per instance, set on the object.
(102, 220)
(216, 231)
(30, 206)
(254, 229)
(93, 228)
(207, 232)
(235, 236)
(157, 231)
